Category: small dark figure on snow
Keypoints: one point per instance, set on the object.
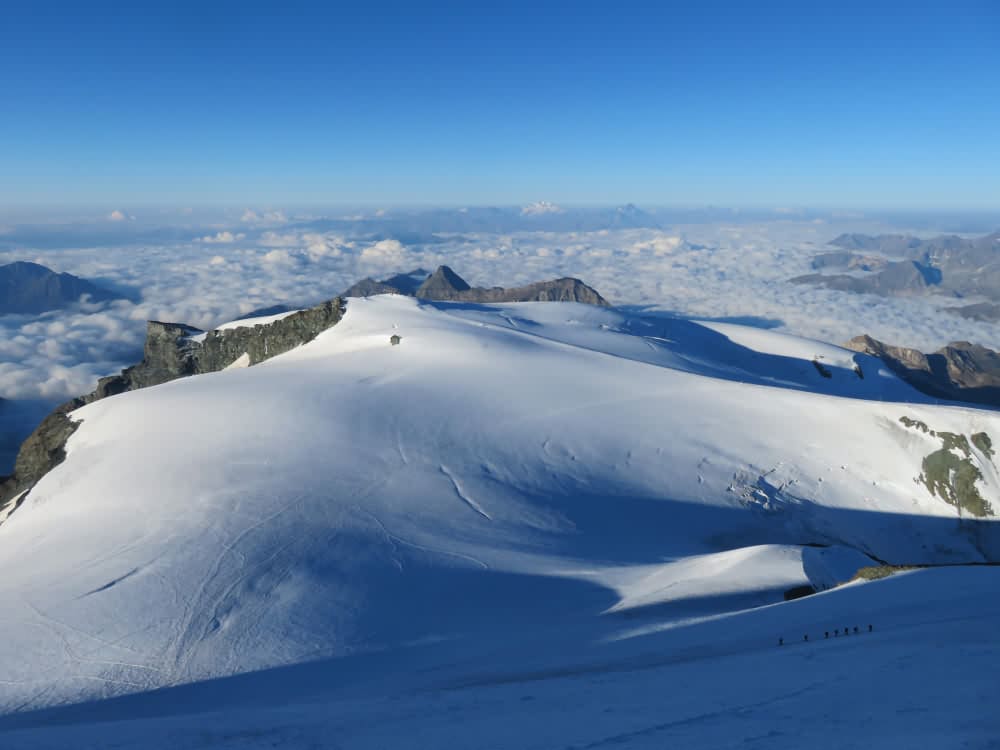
(781, 641)
(856, 629)
(805, 637)
(826, 634)
(869, 628)
(836, 633)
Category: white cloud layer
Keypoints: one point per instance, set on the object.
(721, 271)
(263, 217)
(222, 238)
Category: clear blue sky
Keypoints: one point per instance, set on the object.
(875, 104)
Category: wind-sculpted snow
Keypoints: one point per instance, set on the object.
(506, 477)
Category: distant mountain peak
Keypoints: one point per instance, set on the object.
(446, 285)
(27, 287)
(539, 208)
(442, 283)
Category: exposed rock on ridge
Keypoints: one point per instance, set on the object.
(443, 284)
(959, 371)
(447, 286)
(369, 288)
(170, 352)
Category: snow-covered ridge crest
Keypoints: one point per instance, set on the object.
(505, 482)
(171, 351)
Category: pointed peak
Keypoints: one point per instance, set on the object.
(454, 280)
(442, 284)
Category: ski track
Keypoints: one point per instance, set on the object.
(393, 538)
(462, 495)
(627, 737)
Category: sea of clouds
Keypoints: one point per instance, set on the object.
(730, 271)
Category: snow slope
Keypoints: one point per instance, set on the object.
(529, 487)
(924, 679)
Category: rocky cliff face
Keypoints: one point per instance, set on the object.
(960, 371)
(171, 351)
(447, 286)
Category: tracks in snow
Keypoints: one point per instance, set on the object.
(462, 494)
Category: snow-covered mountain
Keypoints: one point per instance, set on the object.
(507, 494)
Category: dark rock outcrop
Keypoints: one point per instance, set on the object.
(368, 287)
(172, 351)
(447, 286)
(44, 449)
(959, 371)
(29, 288)
(557, 290)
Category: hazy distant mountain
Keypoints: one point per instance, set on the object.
(895, 264)
(427, 226)
(400, 283)
(408, 283)
(986, 311)
(841, 260)
(895, 279)
(31, 288)
(540, 207)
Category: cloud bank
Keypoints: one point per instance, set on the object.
(728, 271)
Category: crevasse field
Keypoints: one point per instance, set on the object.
(526, 526)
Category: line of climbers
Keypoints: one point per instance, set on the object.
(836, 633)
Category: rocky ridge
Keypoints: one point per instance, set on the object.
(176, 350)
(171, 351)
(960, 371)
(447, 286)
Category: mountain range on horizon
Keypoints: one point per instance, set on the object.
(904, 265)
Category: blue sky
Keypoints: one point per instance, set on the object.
(857, 105)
